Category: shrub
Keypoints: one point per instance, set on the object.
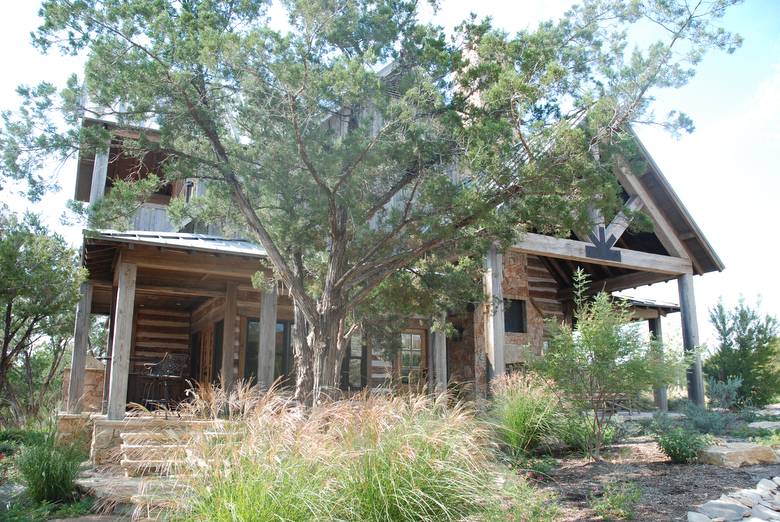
(706, 421)
(723, 394)
(748, 347)
(372, 459)
(525, 410)
(618, 501)
(48, 471)
(682, 445)
(578, 432)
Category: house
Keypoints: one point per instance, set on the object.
(186, 298)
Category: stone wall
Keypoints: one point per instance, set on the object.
(92, 398)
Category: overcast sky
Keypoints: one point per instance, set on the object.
(726, 172)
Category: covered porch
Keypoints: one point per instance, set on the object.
(181, 310)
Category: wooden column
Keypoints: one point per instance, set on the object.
(80, 341)
(266, 353)
(229, 335)
(494, 320)
(690, 331)
(439, 359)
(659, 394)
(109, 351)
(123, 340)
(99, 173)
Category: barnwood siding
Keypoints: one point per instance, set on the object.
(158, 332)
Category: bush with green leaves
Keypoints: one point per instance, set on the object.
(578, 432)
(618, 501)
(605, 359)
(682, 445)
(525, 410)
(706, 421)
(748, 349)
(49, 470)
(723, 394)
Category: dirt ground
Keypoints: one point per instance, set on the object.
(668, 490)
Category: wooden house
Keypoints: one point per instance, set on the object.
(187, 297)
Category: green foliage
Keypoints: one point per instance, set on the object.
(360, 177)
(526, 410)
(39, 283)
(378, 459)
(25, 510)
(605, 359)
(748, 349)
(579, 432)
(682, 445)
(723, 394)
(618, 501)
(49, 470)
(707, 421)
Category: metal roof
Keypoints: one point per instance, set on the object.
(663, 306)
(197, 242)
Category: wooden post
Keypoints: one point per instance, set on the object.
(690, 331)
(494, 322)
(266, 354)
(439, 349)
(80, 341)
(123, 340)
(229, 335)
(659, 394)
(109, 351)
(99, 174)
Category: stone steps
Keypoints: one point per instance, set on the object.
(748, 505)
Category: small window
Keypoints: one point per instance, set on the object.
(353, 374)
(515, 320)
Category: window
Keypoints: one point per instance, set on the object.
(353, 374)
(515, 320)
(411, 357)
(282, 353)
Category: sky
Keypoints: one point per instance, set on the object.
(726, 172)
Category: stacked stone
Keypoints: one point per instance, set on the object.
(748, 505)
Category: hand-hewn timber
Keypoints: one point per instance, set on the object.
(267, 347)
(494, 310)
(229, 335)
(690, 332)
(439, 359)
(80, 341)
(123, 338)
(577, 251)
(660, 397)
(99, 174)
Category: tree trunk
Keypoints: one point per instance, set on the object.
(303, 358)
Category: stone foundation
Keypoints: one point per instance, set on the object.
(92, 398)
(74, 429)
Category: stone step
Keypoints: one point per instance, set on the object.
(141, 468)
(138, 438)
(153, 451)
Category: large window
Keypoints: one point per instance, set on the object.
(515, 319)
(282, 353)
(411, 357)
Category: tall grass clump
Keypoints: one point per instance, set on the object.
(526, 412)
(378, 458)
(49, 470)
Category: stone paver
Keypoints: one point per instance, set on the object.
(737, 454)
(761, 504)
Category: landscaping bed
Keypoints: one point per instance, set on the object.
(668, 490)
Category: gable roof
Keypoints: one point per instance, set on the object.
(702, 255)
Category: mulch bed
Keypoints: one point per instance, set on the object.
(669, 490)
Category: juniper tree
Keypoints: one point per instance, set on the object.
(444, 145)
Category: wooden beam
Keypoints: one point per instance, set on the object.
(578, 251)
(690, 331)
(202, 263)
(662, 228)
(494, 313)
(99, 174)
(614, 284)
(123, 339)
(622, 221)
(80, 341)
(229, 336)
(439, 349)
(267, 343)
(169, 290)
(660, 395)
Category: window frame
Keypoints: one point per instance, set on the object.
(523, 318)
